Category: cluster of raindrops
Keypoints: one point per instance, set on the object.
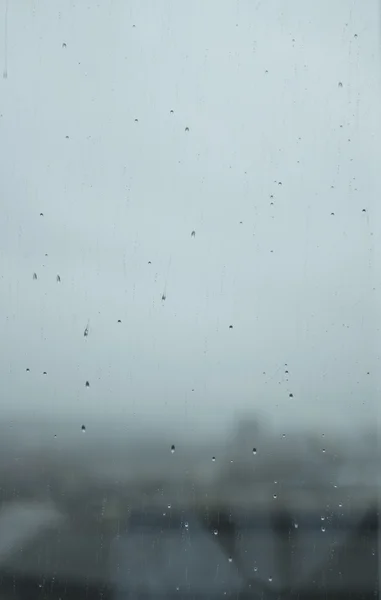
(58, 277)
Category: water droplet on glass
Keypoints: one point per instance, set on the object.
(27, 369)
(270, 579)
(186, 128)
(171, 111)
(119, 321)
(283, 435)
(169, 505)
(230, 326)
(83, 428)
(87, 384)
(323, 529)
(322, 518)
(291, 395)
(364, 210)
(274, 496)
(163, 297)
(58, 279)
(340, 84)
(230, 559)
(63, 45)
(193, 234)
(323, 450)
(186, 525)
(44, 373)
(296, 525)
(86, 332)
(172, 448)
(41, 214)
(215, 532)
(254, 451)
(34, 275)
(136, 120)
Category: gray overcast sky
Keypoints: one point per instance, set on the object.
(280, 101)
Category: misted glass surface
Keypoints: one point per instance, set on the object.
(189, 304)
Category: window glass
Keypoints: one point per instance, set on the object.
(189, 299)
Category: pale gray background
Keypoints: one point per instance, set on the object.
(257, 83)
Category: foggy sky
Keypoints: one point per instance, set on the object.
(271, 92)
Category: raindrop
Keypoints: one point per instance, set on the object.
(58, 278)
(340, 84)
(66, 137)
(230, 326)
(193, 234)
(332, 214)
(136, 120)
(323, 450)
(255, 569)
(63, 45)
(186, 525)
(279, 183)
(163, 297)
(169, 506)
(44, 373)
(254, 451)
(186, 128)
(230, 559)
(86, 331)
(364, 210)
(41, 214)
(215, 532)
(213, 458)
(119, 321)
(171, 111)
(323, 529)
(296, 525)
(87, 384)
(149, 262)
(283, 435)
(34, 275)
(322, 518)
(270, 579)
(173, 448)
(27, 370)
(274, 496)
(291, 395)
(355, 35)
(83, 428)
(286, 371)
